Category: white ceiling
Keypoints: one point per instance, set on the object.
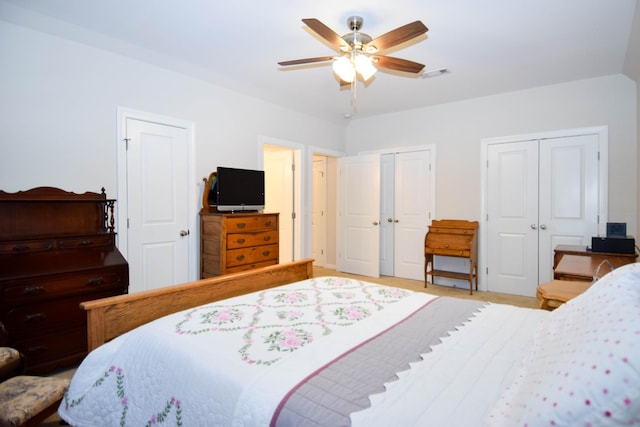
(489, 46)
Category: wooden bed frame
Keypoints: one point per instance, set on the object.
(110, 317)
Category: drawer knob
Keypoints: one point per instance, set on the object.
(95, 281)
(85, 242)
(20, 248)
(266, 238)
(36, 317)
(241, 225)
(266, 253)
(240, 257)
(37, 349)
(32, 290)
(267, 223)
(446, 246)
(241, 241)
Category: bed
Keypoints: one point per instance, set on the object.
(335, 351)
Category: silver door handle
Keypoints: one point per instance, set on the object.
(533, 226)
(543, 227)
(184, 233)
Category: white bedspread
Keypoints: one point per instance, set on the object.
(229, 363)
(458, 382)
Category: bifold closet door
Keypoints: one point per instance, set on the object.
(540, 194)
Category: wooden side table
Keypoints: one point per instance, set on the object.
(552, 295)
(562, 250)
(583, 268)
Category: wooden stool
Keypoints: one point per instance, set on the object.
(27, 400)
(553, 294)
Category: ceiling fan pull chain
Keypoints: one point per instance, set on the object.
(353, 96)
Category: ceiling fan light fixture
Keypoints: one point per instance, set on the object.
(365, 67)
(343, 67)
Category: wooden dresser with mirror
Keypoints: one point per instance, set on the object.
(57, 249)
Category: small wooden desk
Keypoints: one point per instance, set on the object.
(562, 250)
(582, 268)
(553, 294)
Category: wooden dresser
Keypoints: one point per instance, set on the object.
(57, 249)
(453, 238)
(235, 242)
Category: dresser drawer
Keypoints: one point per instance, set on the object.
(25, 246)
(251, 266)
(237, 257)
(46, 352)
(251, 223)
(37, 319)
(451, 230)
(449, 241)
(243, 240)
(85, 242)
(448, 252)
(33, 290)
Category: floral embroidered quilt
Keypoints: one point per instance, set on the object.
(230, 362)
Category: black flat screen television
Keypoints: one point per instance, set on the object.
(238, 190)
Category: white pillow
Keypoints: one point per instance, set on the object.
(584, 368)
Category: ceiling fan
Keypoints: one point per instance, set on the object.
(359, 53)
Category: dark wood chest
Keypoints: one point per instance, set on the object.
(57, 249)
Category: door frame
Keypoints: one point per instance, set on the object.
(299, 237)
(320, 151)
(603, 185)
(124, 113)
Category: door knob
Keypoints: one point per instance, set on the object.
(184, 233)
(543, 227)
(533, 226)
(375, 222)
(389, 220)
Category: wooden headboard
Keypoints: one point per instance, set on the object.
(110, 317)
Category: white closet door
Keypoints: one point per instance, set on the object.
(512, 223)
(387, 213)
(411, 212)
(358, 215)
(569, 209)
(540, 194)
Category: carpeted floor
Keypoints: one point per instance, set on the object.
(415, 285)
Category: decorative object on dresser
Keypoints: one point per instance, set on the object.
(235, 242)
(452, 238)
(57, 249)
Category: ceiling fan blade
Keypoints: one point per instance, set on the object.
(325, 32)
(306, 61)
(397, 64)
(399, 35)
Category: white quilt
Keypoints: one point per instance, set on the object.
(231, 362)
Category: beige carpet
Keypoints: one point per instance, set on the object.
(415, 285)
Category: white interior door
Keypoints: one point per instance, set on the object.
(157, 205)
(410, 220)
(387, 207)
(358, 215)
(569, 177)
(512, 217)
(279, 195)
(318, 214)
(540, 193)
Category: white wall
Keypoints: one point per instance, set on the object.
(457, 129)
(58, 103)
